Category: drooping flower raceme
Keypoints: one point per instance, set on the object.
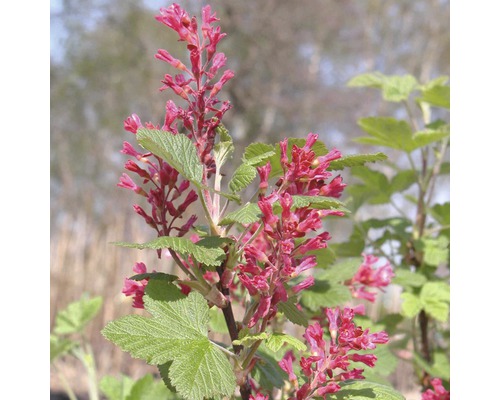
(329, 360)
(136, 288)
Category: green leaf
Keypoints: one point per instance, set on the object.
(114, 388)
(398, 88)
(164, 369)
(388, 132)
(248, 214)
(342, 270)
(217, 322)
(60, 346)
(242, 177)
(325, 257)
(386, 363)
(278, 340)
(294, 315)
(355, 160)
(147, 388)
(402, 181)
(438, 96)
(267, 372)
(177, 150)
(318, 203)
(177, 332)
(440, 368)
(441, 213)
(325, 294)
(370, 79)
(247, 339)
(365, 390)
(155, 275)
(210, 256)
(77, 315)
(436, 250)
(411, 305)
(352, 248)
(408, 279)
(223, 152)
(428, 136)
(435, 297)
(257, 154)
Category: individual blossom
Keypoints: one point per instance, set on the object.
(370, 276)
(136, 288)
(330, 359)
(438, 392)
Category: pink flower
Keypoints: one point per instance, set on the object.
(370, 276)
(136, 288)
(437, 393)
(329, 362)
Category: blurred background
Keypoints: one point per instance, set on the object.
(291, 60)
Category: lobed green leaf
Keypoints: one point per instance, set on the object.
(77, 315)
(178, 150)
(177, 332)
(277, 340)
(207, 255)
(365, 390)
(355, 160)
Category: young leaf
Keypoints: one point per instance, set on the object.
(77, 315)
(210, 256)
(267, 372)
(408, 279)
(411, 305)
(177, 332)
(365, 390)
(428, 136)
(388, 132)
(294, 315)
(60, 346)
(370, 79)
(355, 160)
(436, 250)
(147, 388)
(116, 389)
(242, 177)
(435, 297)
(248, 339)
(438, 96)
(177, 150)
(155, 275)
(247, 214)
(342, 270)
(257, 154)
(325, 294)
(318, 202)
(278, 340)
(398, 88)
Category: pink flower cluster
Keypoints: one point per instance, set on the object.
(167, 195)
(278, 253)
(437, 393)
(370, 276)
(136, 288)
(322, 368)
(199, 84)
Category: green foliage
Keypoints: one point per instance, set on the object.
(178, 150)
(245, 338)
(204, 252)
(267, 372)
(116, 388)
(75, 317)
(294, 315)
(356, 160)
(147, 388)
(326, 292)
(365, 390)
(258, 153)
(247, 214)
(177, 332)
(60, 346)
(242, 177)
(277, 340)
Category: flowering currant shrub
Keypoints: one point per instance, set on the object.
(245, 258)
